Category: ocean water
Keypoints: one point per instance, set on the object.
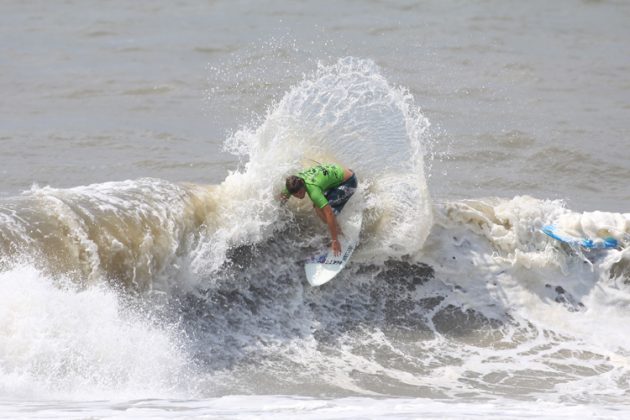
(147, 271)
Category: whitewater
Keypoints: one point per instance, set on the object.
(146, 288)
(158, 296)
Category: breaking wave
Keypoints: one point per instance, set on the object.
(147, 287)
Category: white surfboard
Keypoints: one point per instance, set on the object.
(323, 266)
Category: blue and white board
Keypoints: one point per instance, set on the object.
(323, 266)
(573, 241)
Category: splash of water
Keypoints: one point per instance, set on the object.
(346, 113)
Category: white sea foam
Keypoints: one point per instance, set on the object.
(563, 309)
(285, 407)
(61, 341)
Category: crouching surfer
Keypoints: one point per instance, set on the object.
(329, 186)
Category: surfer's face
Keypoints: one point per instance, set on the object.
(300, 193)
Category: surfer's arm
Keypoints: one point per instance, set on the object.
(329, 216)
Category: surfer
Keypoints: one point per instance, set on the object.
(329, 186)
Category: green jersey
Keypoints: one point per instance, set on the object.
(318, 180)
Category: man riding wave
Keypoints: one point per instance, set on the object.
(329, 186)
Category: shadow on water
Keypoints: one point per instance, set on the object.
(260, 317)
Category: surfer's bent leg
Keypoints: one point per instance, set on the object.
(338, 197)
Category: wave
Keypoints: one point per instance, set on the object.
(346, 113)
(464, 298)
(59, 340)
(134, 231)
(129, 232)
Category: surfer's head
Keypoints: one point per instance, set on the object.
(295, 186)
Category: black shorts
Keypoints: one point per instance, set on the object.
(339, 196)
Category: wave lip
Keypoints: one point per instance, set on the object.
(135, 231)
(130, 231)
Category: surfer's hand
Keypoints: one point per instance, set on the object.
(336, 247)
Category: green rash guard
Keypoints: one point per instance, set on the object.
(319, 179)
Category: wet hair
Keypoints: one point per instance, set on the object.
(294, 184)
